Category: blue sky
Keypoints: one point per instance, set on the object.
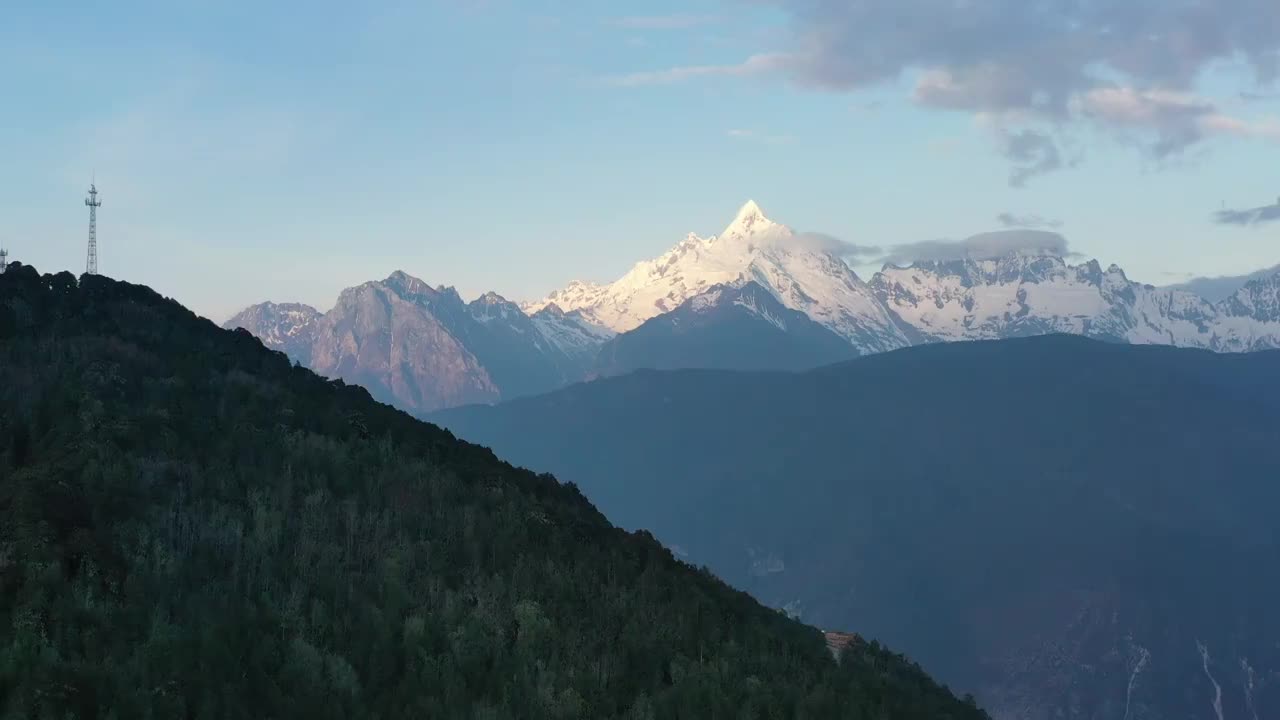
(252, 151)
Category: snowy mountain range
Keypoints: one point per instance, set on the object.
(1016, 294)
(747, 288)
(1026, 294)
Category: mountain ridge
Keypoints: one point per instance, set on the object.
(500, 349)
(422, 347)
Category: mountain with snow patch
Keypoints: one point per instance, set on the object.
(287, 327)
(576, 337)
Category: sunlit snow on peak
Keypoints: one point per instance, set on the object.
(749, 222)
(804, 276)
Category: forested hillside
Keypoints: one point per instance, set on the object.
(194, 527)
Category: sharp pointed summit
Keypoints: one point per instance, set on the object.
(750, 218)
(750, 209)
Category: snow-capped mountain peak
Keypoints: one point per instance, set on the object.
(749, 211)
(751, 247)
(750, 221)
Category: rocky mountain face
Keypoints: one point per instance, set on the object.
(1069, 529)
(501, 337)
(384, 337)
(423, 348)
(739, 326)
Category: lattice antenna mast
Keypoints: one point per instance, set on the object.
(4, 260)
(91, 266)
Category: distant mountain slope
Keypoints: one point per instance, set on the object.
(193, 527)
(733, 327)
(1067, 528)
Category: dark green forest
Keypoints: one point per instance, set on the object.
(195, 528)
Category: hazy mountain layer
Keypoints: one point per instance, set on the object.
(1068, 528)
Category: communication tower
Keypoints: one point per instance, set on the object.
(91, 266)
(4, 260)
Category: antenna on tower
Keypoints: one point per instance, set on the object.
(91, 266)
(4, 260)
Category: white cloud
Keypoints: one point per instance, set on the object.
(755, 65)
(1040, 72)
(1027, 222)
(979, 247)
(663, 22)
(1176, 119)
(1251, 217)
